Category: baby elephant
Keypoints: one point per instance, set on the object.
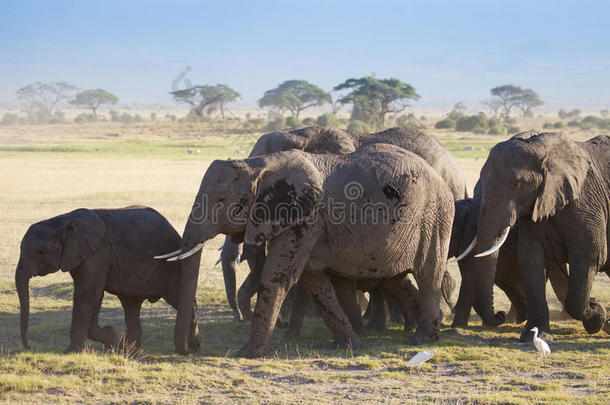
(104, 250)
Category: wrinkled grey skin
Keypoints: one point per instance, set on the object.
(309, 241)
(558, 191)
(507, 274)
(334, 141)
(104, 250)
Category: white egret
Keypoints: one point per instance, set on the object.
(542, 347)
(421, 357)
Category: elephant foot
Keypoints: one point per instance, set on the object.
(499, 319)
(251, 351)
(281, 323)
(527, 336)
(238, 317)
(74, 349)
(193, 342)
(376, 326)
(244, 309)
(409, 325)
(595, 323)
(606, 327)
(350, 342)
(422, 337)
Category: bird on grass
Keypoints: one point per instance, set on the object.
(421, 357)
(542, 347)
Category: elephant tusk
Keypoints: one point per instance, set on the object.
(167, 255)
(465, 252)
(221, 246)
(191, 252)
(497, 245)
(238, 259)
(218, 261)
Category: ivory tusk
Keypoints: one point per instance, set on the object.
(167, 255)
(465, 252)
(238, 259)
(218, 261)
(191, 252)
(221, 246)
(497, 245)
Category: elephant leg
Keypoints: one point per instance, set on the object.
(465, 299)
(228, 259)
(403, 296)
(579, 304)
(558, 276)
(531, 265)
(252, 282)
(319, 285)
(106, 335)
(345, 290)
(131, 309)
(428, 308)
(379, 310)
(193, 338)
(288, 254)
(299, 309)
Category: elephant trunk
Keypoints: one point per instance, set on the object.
(22, 282)
(483, 303)
(195, 233)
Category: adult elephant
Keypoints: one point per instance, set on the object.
(319, 139)
(104, 250)
(403, 221)
(558, 192)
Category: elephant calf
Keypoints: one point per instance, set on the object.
(104, 250)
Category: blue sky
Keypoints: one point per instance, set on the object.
(449, 51)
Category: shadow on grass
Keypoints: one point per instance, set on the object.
(221, 336)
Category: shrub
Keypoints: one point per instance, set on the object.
(587, 126)
(414, 125)
(604, 123)
(9, 119)
(495, 130)
(559, 125)
(513, 130)
(84, 117)
(276, 124)
(328, 119)
(309, 121)
(293, 122)
(358, 126)
(470, 122)
(423, 118)
(573, 123)
(509, 121)
(254, 123)
(548, 125)
(447, 123)
(478, 131)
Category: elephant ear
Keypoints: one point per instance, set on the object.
(83, 234)
(564, 170)
(284, 196)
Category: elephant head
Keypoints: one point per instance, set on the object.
(62, 242)
(253, 200)
(533, 175)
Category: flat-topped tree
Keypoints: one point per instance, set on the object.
(377, 97)
(294, 96)
(93, 99)
(206, 97)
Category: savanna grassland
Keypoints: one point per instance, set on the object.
(49, 170)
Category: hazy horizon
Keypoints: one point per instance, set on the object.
(449, 52)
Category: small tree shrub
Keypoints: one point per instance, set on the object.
(309, 121)
(447, 123)
(276, 124)
(84, 118)
(358, 126)
(293, 122)
(470, 122)
(329, 120)
(559, 125)
(513, 130)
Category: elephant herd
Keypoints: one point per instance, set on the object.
(322, 213)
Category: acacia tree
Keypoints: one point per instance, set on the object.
(377, 97)
(44, 97)
(493, 104)
(92, 99)
(294, 96)
(206, 97)
(509, 96)
(227, 95)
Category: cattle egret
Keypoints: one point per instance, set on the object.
(542, 347)
(421, 357)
